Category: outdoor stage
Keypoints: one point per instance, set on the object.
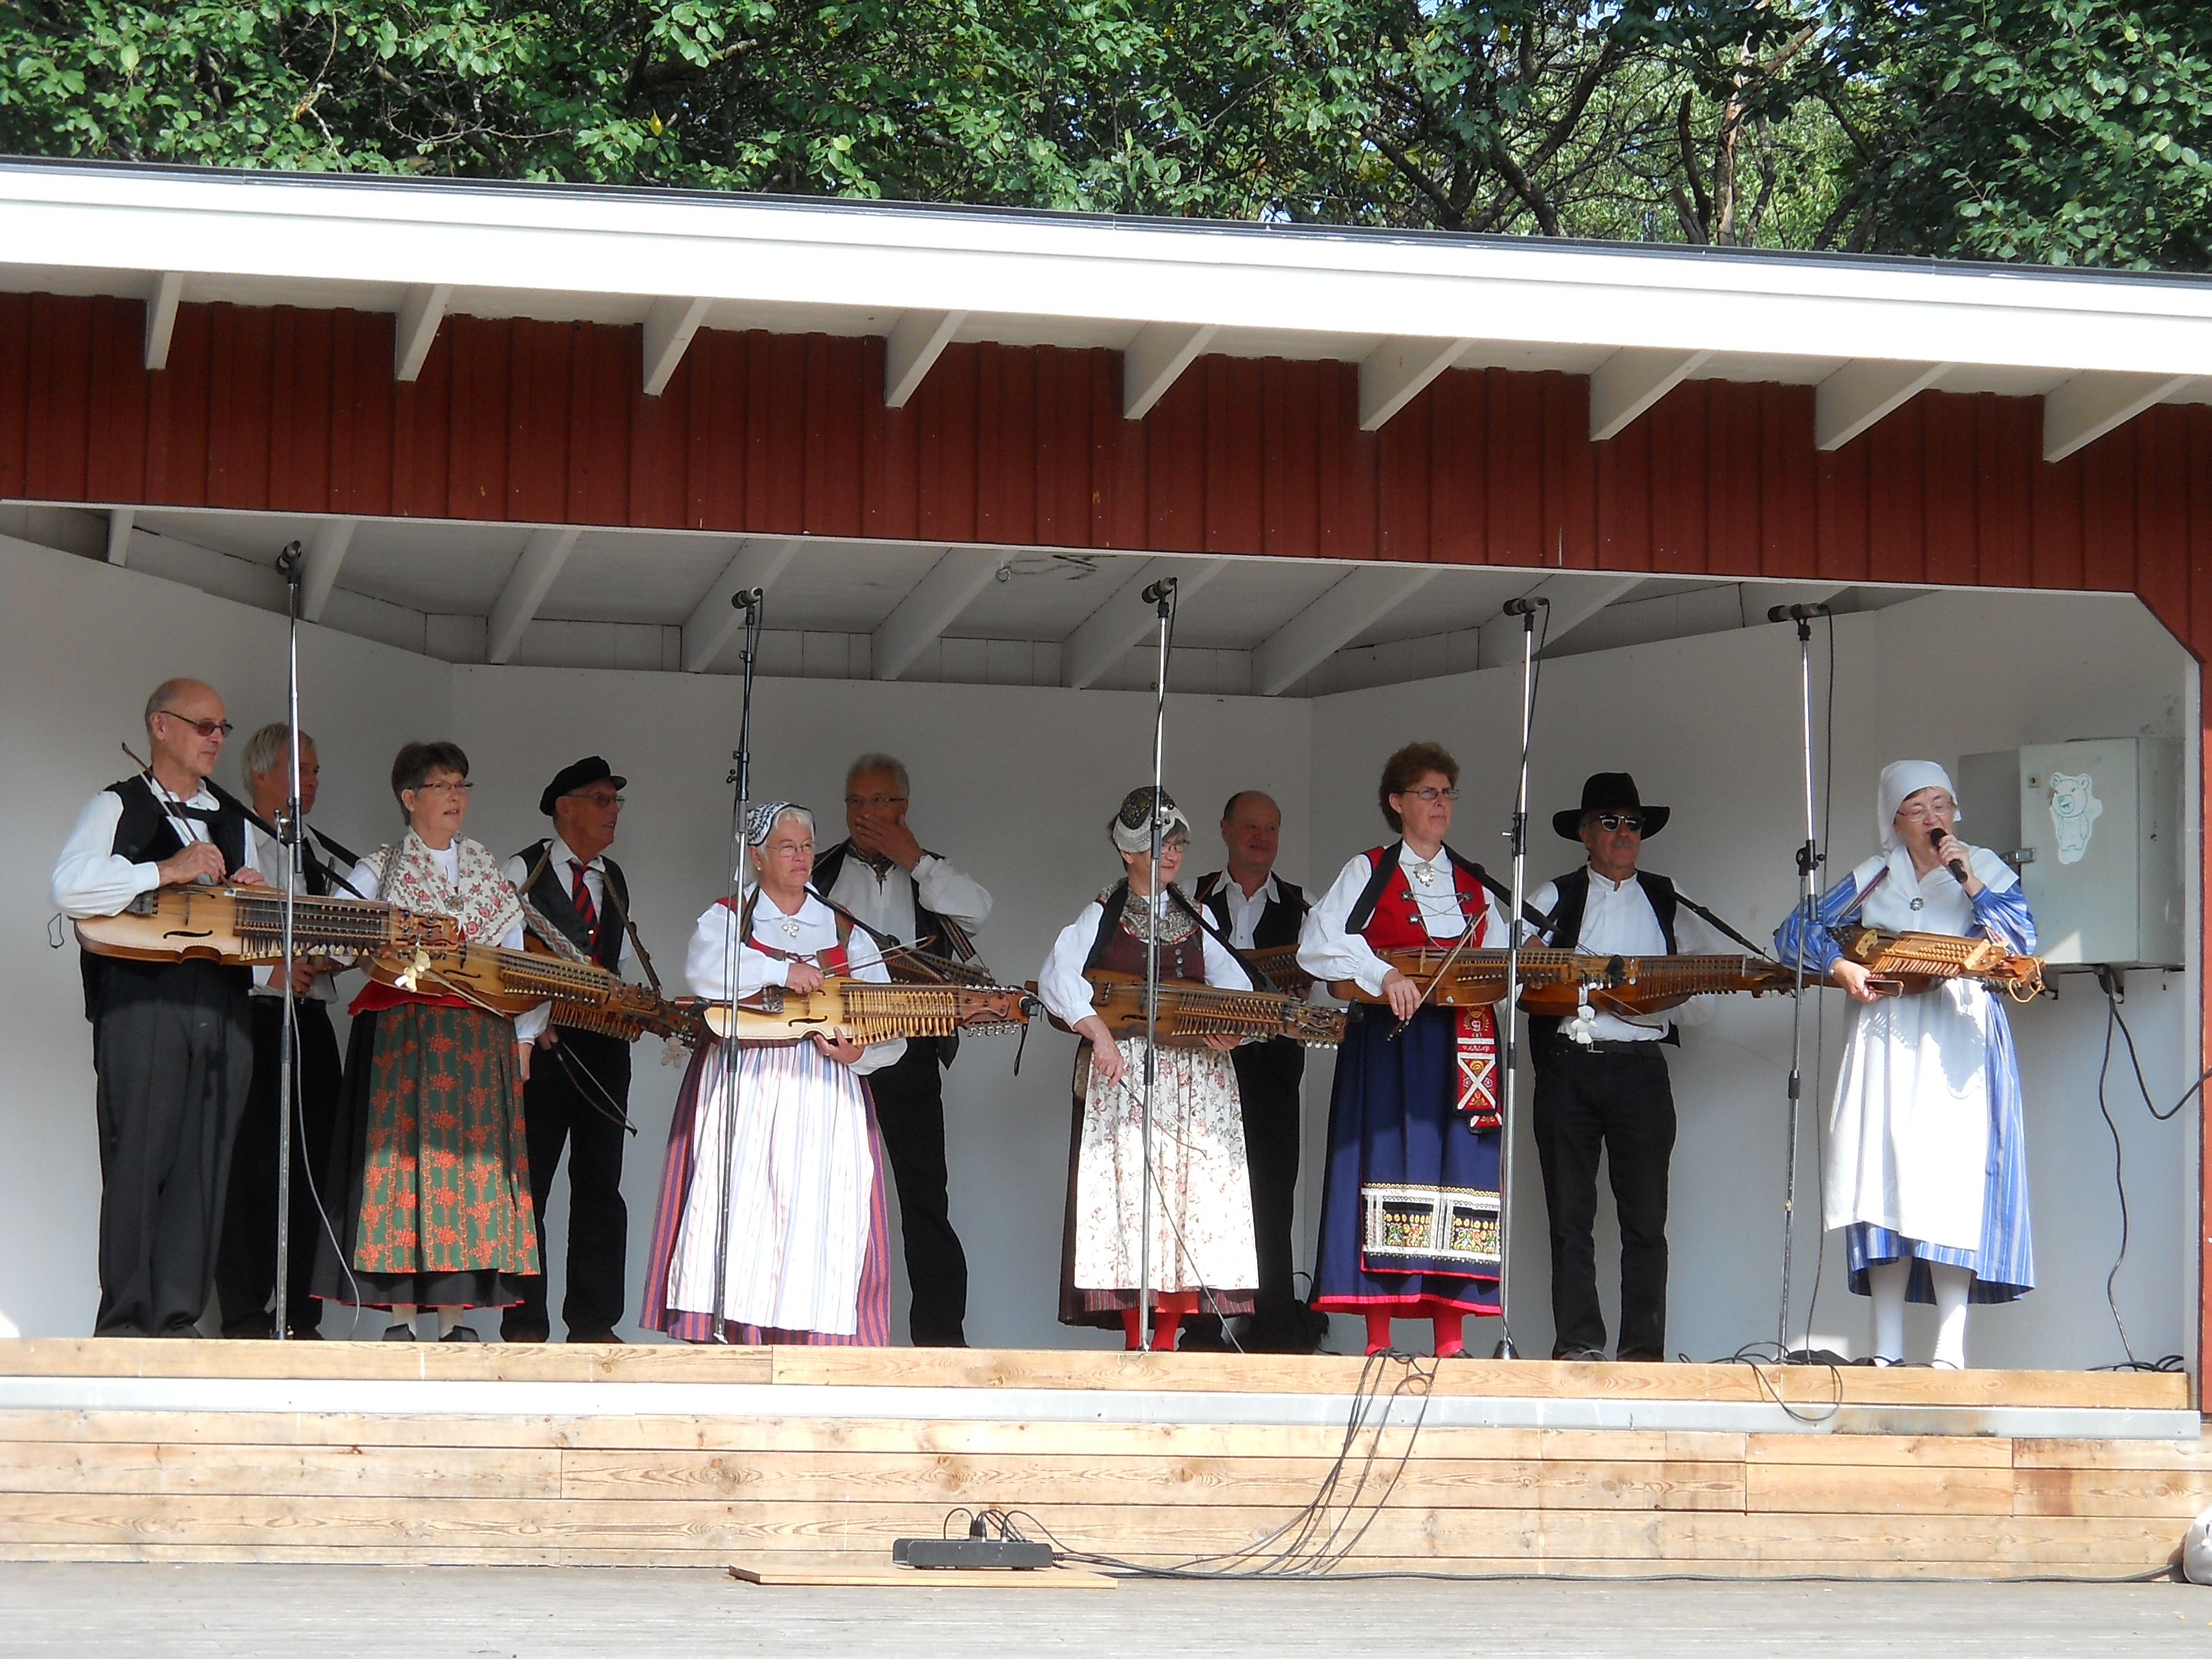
(364, 1453)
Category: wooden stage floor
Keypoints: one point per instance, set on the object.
(364, 1453)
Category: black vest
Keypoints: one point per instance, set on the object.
(929, 927)
(550, 894)
(146, 834)
(1280, 919)
(1567, 931)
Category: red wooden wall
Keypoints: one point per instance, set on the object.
(297, 410)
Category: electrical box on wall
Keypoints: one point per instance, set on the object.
(2094, 830)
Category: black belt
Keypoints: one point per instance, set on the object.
(1569, 1046)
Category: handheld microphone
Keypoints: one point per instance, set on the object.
(1527, 607)
(1159, 590)
(745, 599)
(1795, 612)
(1958, 870)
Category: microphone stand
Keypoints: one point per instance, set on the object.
(1161, 595)
(1518, 837)
(1809, 858)
(288, 830)
(752, 601)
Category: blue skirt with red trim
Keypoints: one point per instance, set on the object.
(1409, 1204)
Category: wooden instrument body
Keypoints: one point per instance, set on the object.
(245, 924)
(498, 979)
(1279, 963)
(864, 1011)
(909, 966)
(1190, 1014)
(1553, 982)
(1913, 963)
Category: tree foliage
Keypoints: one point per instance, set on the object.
(2042, 129)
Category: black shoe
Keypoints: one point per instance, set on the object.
(398, 1333)
(601, 1337)
(461, 1333)
(1597, 1354)
(525, 1333)
(953, 1339)
(1202, 1334)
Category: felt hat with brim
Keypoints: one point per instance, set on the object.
(1610, 791)
(577, 774)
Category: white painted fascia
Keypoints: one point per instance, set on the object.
(1347, 284)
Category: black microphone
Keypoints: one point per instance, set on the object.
(1159, 590)
(1795, 612)
(745, 599)
(1527, 607)
(1957, 869)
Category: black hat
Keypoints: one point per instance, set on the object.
(577, 776)
(1610, 791)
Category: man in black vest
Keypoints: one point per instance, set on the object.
(172, 1043)
(1602, 1085)
(578, 1094)
(246, 1266)
(881, 874)
(1256, 910)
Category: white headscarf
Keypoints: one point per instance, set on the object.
(1903, 779)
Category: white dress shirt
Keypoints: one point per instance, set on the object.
(886, 902)
(561, 861)
(91, 878)
(265, 854)
(527, 1025)
(1062, 987)
(714, 953)
(1246, 909)
(1618, 922)
(1328, 952)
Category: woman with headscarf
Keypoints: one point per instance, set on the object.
(800, 1232)
(1200, 1243)
(1927, 1168)
(431, 1184)
(1409, 1204)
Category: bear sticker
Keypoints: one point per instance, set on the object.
(2074, 810)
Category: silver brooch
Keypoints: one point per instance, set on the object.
(790, 925)
(1917, 903)
(1425, 874)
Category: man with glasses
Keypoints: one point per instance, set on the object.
(172, 1041)
(577, 1096)
(1601, 1084)
(880, 874)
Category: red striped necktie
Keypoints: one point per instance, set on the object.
(582, 898)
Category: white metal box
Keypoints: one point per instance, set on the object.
(2094, 829)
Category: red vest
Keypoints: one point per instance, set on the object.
(1396, 923)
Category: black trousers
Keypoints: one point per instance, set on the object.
(246, 1266)
(909, 1100)
(1267, 1078)
(561, 1108)
(175, 1055)
(1620, 1103)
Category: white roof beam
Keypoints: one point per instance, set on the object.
(1116, 627)
(1574, 599)
(917, 340)
(1154, 360)
(669, 327)
(420, 313)
(543, 555)
(1631, 381)
(2086, 407)
(118, 534)
(1333, 621)
(934, 605)
(161, 317)
(1398, 371)
(715, 621)
(1864, 393)
(326, 552)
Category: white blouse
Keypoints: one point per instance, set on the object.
(1063, 989)
(363, 879)
(1328, 952)
(715, 955)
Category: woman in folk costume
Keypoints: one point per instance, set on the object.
(802, 1226)
(431, 1182)
(1201, 1249)
(1927, 1165)
(1409, 1205)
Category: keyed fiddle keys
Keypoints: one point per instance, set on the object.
(1556, 982)
(245, 924)
(863, 1011)
(1913, 963)
(1187, 1014)
(1280, 964)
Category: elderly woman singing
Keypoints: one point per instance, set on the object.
(1927, 1168)
(800, 1228)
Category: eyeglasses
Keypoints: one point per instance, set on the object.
(205, 728)
(599, 799)
(460, 789)
(1431, 794)
(875, 800)
(1928, 809)
(1627, 821)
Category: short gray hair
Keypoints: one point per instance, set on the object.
(158, 699)
(266, 748)
(890, 763)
